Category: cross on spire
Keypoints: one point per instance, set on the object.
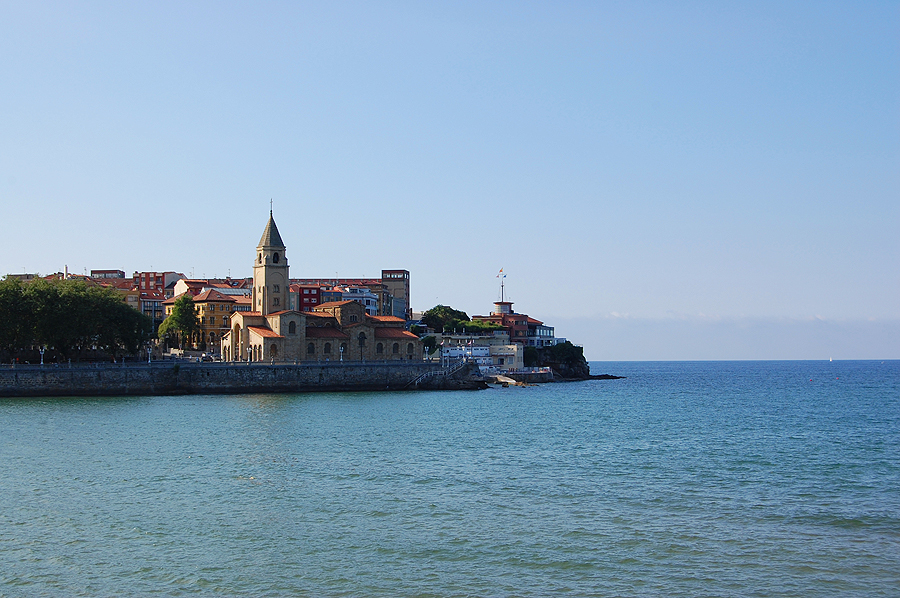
(270, 206)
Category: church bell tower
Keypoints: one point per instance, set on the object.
(271, 280)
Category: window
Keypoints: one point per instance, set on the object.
(409, 348)
(362, 339)
(310, 349)
(292, 328)
(276, 301)
(327, 350)
(276, 288)
(395, 349)
(353, 318)
(379, 348)
(275, 258)
(306, 291)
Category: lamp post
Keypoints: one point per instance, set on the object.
(43, 348)
(342, 352)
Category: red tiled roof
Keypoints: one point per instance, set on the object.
(153, 295)
(387, 319)
(335, 303)
(125, 284)
(243, 299)
(533, 321)
(212, 295)
(264, 332)
(324, 332)
(394, 333)
(171, 300)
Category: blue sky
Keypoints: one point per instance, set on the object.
(659, 180)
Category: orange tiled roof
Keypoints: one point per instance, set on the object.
(283, 311)
(212, 295)
(264, 332)
(335, 303)
(387, 319)
(533, 321)
(318, 314)
(394, 333)
(171, 300)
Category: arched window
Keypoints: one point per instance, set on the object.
(292, 328)
(379, 348)
(275, 257)
(395, 349)
(327, 350)
(273, 351)
(354, 318)
(362, 339)
(260, 258)
(310, 349)
(409, 348)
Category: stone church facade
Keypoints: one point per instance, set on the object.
(335, 331)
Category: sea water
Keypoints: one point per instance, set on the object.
(684, 479)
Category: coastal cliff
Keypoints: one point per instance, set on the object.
(565, 360)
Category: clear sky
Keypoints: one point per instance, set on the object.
(659, 180)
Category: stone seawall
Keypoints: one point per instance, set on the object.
(207, 378)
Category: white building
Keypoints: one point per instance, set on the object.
(492, 352)
(361, 295)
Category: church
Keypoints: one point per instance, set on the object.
(335, 331)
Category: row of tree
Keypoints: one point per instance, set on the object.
(442, 318)
(68, 318)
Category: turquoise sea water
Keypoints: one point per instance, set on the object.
(685, 479)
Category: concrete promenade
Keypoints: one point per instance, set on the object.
(168, 378)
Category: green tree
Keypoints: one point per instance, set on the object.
(16, 321)
(430, 344)
(68, 317)
(441, 318)
(477, 326)
(183, 323)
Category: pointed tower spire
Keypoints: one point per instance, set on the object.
(270, 236)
